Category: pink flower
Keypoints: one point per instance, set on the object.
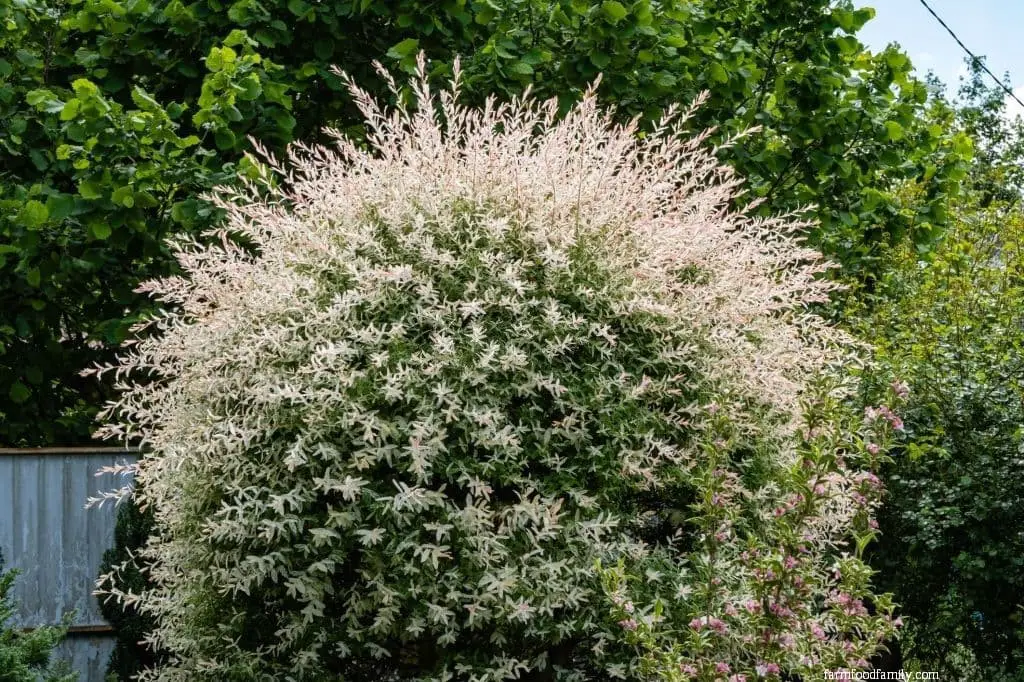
(628, 624)
(752, 606)
(628, 607)
(696, 624)
(722, 667)
(738, 677)
(873, 448)
(688, 669)
(900, 389)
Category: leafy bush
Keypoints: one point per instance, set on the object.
(781, 598)
(460, 369)
(26, 656)
(116, 115)
(952, 551)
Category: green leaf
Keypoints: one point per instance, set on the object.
(60, 206)
(90, 189)
(894, 130)
(85, 89)
(33, 277)
(521, 68)
(224, 139)
(19, 392)
(220, 57)
(848, 45)
(717, 73)
(28, 58)
(70, 109)
(600, 59)
(143, 100)
(99, 230)
(614, 10)
(298, 7)
(123, 196)
(236, 37)
(665, 80)
(36, 97)
(39, 159)
(963, 145)
(32, 215)
(403, 49)
(897, 61)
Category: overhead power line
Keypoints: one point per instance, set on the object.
(977, 60)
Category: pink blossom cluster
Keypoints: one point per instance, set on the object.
(886, 413)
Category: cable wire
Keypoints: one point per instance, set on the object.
(977, 60)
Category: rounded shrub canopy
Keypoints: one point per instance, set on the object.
(453, 371)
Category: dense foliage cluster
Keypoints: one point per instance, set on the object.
(27, 656)
(463, 368)
(948, 322)
(115, 115)
(952, 548)
(809, 605)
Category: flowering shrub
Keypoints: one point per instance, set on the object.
(394, 437)
(789, 595)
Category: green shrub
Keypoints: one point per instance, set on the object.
(27, 656)
(952, 551)
(131, 654)
(462, 368)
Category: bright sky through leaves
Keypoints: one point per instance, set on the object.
(988, 27)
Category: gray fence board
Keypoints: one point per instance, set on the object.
(56, 544)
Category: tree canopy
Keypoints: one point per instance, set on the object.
(117, 115)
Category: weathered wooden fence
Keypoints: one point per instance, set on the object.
(57, 545)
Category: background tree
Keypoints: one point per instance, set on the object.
(118, 114)
(951, 326)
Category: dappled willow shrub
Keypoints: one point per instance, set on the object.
(394, 438)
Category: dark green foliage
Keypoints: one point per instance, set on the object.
(26, 656)
(115, 115)
(952, 327)
(130, 655)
